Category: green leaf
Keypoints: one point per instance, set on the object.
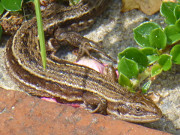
(151, 53)
(153, 58)
(28, 1)
(167, 10)
(146, 86)
(128, 67)
(0, 31)
(156, 69)
(124, 81)
(157, 39)
(135, 55)
(177, 24)
(1, 8)
(12, 5)
(172, 33)
(142, 32)
(177, 12)
(74, 2)
(165, 61)
(175, 53)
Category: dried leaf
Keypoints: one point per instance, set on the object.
(128, 5)
(149, 7)
(169, 0)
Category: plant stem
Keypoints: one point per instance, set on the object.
(40, 32)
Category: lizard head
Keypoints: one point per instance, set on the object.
(137, 108)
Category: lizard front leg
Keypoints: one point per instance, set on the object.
(85, 45)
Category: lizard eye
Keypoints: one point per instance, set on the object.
(138, 109)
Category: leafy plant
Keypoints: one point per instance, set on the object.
(159, 49)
